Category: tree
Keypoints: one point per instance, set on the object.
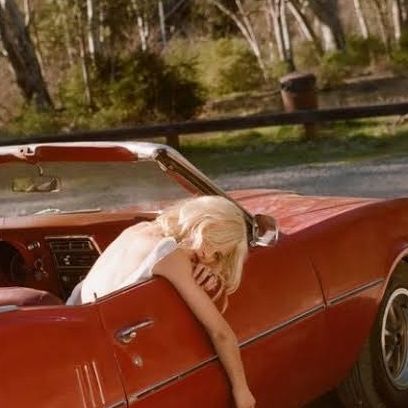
(242, 19)
(327, 12)
(276, 10)
(362, 23)
(22, 56)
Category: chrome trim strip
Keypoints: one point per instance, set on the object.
(135, 396)
(91, 238)
(80, 382)
(117, 404)
(8, 308)
(90, 385)
(355, 291)
(280, 326)
(98, 381)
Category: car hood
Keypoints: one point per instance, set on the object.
(292, 211)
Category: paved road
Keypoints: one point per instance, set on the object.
(370, 178)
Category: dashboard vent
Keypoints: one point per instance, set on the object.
(73, 258)
(71, 244)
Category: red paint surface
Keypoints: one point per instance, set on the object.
(302, 313)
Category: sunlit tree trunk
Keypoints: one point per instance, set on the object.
(304, 26)
(142, 25)
(382, 18)
(397, 19)
(93, 30)
(22, 56)
(84, 56)
(68, 41)
(277, 13)
(245, 26)
(362, 23)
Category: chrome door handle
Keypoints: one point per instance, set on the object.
(127, 334)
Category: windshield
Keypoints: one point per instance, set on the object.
(89, 186)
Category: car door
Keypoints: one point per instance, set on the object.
(56, 357)
(167, 360)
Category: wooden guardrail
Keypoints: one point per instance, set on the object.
(173, 130)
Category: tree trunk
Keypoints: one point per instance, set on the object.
(382, 21)
(142, 26)
(287, 41)
(362, 23)
(84, 56)
(304, 25)
(275, 16)
(277, 13)
(332, 30)
(93, 30)
(22, 56)
(162, 23)
(69, 48)
(397, 19)
(244, 25)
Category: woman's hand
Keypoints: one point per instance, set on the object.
(243, 398)
(204, 277)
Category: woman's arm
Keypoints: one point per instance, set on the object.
(177, 269)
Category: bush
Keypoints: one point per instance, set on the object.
(137, 89)
(306, 56)
(399, 56)
(31, 121)
(333, 69)
(359, 54)
(224, 66)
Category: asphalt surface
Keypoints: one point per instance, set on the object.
(378, 178)
(368, 178)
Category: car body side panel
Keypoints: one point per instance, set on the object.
(288, 381)
(353, 254)
(277, 314)
(56, 357)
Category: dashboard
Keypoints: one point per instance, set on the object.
(54, 252)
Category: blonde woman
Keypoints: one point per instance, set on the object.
(199, 245)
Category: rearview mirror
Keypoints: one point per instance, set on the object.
(264, 230)
(39, 184)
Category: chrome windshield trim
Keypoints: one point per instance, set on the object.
(304, 315)
(352, 292)
(143, 151)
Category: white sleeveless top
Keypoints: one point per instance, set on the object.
(96, 285)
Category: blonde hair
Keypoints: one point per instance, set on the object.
(211, 221)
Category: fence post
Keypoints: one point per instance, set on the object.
(298, 91)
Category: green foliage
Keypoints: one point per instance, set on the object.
(31, 121)
(399, 56)
(333, 69)
(306, 56)
(359, 55)
(226, 66)
(136, 89)
(362, 52)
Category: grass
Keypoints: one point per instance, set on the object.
(264, 148)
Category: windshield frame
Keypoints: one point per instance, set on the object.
(168, 159)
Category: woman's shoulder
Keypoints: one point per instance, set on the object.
(177, 260)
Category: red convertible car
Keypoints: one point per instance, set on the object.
(323, 303)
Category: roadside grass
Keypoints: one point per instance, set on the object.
(264, 148)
